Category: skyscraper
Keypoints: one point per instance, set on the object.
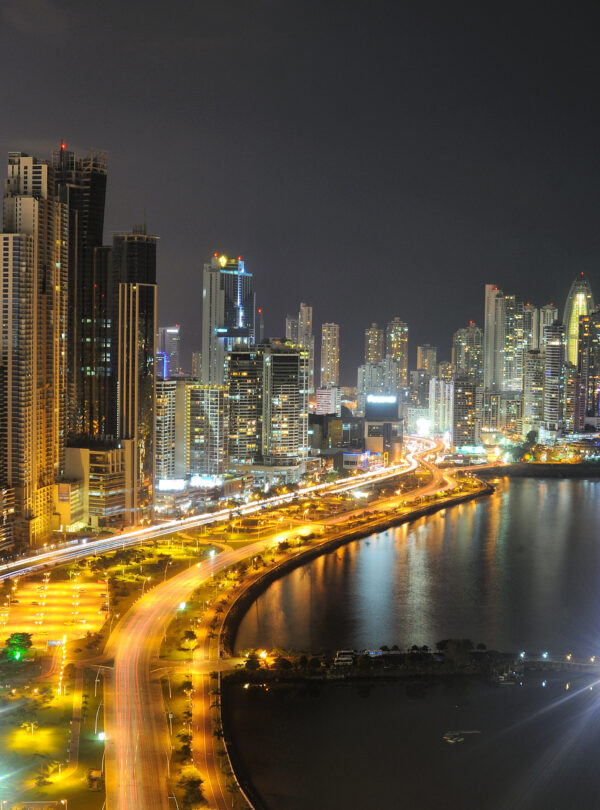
(168, 342)
(33, 344)
(588, 363)
(166, 391)
(467, 352)
(580, 301)
(285, 405)
(134, 256)
(493, 338)
(548, 314)
(207, 415)
(465, 430)
(330, 355)
(80, 183)
(554, 341)
(374, 344)
(427, 358)
(245, 405)
(307, 340)
(228, 314)
(396, 347)
(533, 391)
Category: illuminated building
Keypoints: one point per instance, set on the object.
(493, 338)
(165, 411)
(531, 328)
(285, 405)
(228, 314)
(374, 345)
(467, 352)
(245, 405)
(489, 411)
(580, 301)
(306, 339)
(396, 347)
(34, 247)
(533, 391)
(370, 380)
(80, 183)
(207, 429)
(329, 401)
(465, 428)
(427, 358)
(134, 257)
(441, 405)
(196, 365)
(548, 314)
(268, 407)
(554, 341)
(383, 427)
(103, 470)
(419, 388)
(168, 342)
(588, 365)
(573, 400)
(445, 371)
(512, 374)
(330, 355)
(162, 366)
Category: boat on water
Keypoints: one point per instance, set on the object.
(453, 737)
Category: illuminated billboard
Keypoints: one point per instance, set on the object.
(381, 408)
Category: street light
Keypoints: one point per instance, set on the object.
(144, 584)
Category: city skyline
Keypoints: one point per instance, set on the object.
(472, 178)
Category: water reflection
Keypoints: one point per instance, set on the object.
(518, 570)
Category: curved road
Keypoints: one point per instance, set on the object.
(137, 739)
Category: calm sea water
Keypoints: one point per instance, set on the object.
(518, 570)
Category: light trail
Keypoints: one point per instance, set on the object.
(87, 548)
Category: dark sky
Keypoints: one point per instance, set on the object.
(371, 158)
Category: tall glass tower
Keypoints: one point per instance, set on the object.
(580, 301)
(228, 314)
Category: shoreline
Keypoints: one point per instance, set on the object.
(243, 601)
(522, 469)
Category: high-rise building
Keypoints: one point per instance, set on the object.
(306, 339)
(427, 358)
(228, 314)
(441, 405)
(245, 405)
(531, 328)
(268, 405)
(467, 352)
(285, 405)
(207, 416)
(396, 347)
(573, 400)
(34, 271)
(196, 365)
(329, 401)
(80, 183)
(512, 375)
(374, 344)
(465, 429)
(554, 342)
(446, 370)
(134, 257)
(330, 355)
(166, 392)
(548, 314)
(168, 342)
(580, 301)
(291, 329)
(493, 338)
(588, 364)
(533, 391)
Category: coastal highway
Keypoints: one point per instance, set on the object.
(137, 737)
(79, 549)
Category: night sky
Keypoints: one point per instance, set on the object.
(373, 159)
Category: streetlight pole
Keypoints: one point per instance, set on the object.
(97, 713)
